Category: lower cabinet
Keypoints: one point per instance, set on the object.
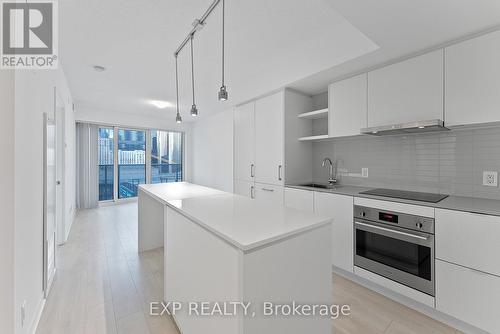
(340, 208)
(271, 194)
(299, 199)
(469, 295)
(244, 188)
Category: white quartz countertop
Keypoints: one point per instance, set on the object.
(243, 222)
(165, 192)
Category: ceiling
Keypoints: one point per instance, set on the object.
(269, 45)
(403, 28)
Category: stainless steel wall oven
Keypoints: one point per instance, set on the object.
(395, 245)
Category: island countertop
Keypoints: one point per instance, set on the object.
(243, 222)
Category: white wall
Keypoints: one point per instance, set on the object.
(7, 202)
(34, 96)
(161, 122)
(213, 151)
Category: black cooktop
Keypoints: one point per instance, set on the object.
(410, 195)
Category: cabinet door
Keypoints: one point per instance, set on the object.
(408, 91)
(244, 142)
(472, 91)
(244, 188)
(269, 119)
(340, 208)
(299, 199)
(348, 106)
(468, 295)
(269, 194)
(468, 239)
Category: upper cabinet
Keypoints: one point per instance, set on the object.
(472, 90)
(409, 91)
(347, 100)
(244, 142)
(269, 142)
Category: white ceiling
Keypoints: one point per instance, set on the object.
(270, 44)
(404, 27)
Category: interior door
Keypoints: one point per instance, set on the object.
(49, 222)
(60, 207)
(269, 119)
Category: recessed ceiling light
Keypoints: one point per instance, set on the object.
(161, 104)
(99, 68)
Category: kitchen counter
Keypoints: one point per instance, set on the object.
(152, 199)
(246, 223)
(457, 203)
(226, 248)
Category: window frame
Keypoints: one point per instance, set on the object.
(148, 148)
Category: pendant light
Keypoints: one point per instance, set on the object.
(223, 91)
(194, 110)
(178, 117)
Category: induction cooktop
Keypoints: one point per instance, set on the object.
(409, 195)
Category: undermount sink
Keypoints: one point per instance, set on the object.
(319, 185)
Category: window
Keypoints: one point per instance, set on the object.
(131, 162)
(106, 164)
(138, 160)
(166, 156)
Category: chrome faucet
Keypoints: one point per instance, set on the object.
(332, 180)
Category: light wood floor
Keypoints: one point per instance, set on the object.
(104, 286)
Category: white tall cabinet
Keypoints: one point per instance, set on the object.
(269, 146)
(259, 148)
(408, 91)
(244, 142)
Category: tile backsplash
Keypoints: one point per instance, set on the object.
(447, 162)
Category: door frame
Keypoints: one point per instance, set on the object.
(46, 280)
(59, 116)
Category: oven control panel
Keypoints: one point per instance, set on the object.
(404, 220)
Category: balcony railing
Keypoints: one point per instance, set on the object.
(131, 175)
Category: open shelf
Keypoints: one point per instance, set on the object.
(312, 138)
(316, 114)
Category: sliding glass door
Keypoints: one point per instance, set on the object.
(166, 156)
(131, 161)
(130, 157)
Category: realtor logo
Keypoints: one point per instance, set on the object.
(29, 35)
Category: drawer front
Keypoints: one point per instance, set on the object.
(468, 295)
(468, 239)
(299, 199)
(270, 194)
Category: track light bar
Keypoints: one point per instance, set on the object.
(198, 24)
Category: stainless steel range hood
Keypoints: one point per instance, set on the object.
(434, 125)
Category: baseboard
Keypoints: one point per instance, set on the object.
(408, 302)
(72, 220)
(38, 315)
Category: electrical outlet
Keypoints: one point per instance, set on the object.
(490, 179)
(364, 172)
(23, 313)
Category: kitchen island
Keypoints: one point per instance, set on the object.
(224, 249)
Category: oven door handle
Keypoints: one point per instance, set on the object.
(392, 231)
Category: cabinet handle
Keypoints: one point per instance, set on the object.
(279, 172)
(251, 170)
(252, 195)
(267, 189)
